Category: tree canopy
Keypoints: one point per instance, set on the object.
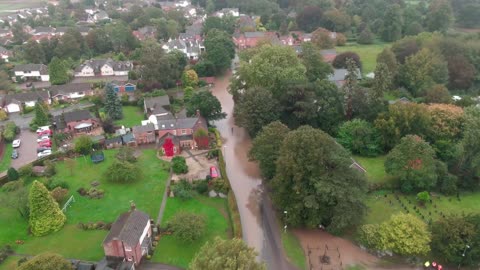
(46, 261)
(113, 106)
(45, 214)
(220, 50)
(207, 104)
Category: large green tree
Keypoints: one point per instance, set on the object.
(452, 234)
(255, 109)
(382, 83)
(33, 52)
(312, 59)
(123, 172)
(46, 261)
(187, 227)
(113, 105)
(83, 145)
(207, 104)
(350, 87)
(360, 137)
(58, 71)
(266, 147)
(315, 184)
(412, 161)
(220, 49)
(45, 214)
(392, 23)
(223, 254)
(158, 67)
(439, 16)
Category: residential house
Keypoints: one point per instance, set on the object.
(42, 32)
(227, 12)
(114, 142)
(128, 139)
(80, 121)
(251, 39)
(122, 88)
(70, 91)
(60, 31)
(16, 102)
(130, 237)
(339, 74)
(103, 67)
(100, 16)
(328, 55)
(156, 106)
(32, 71)
(146, 32)
(192, 49)
(83, 30)
(5, 54)
(144, 134)
(246, 23)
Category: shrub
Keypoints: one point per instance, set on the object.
(45, 214)
(201, 187)
(49, 168)
(10, 131)
(423, 197)
(126, 154)
(340, 60)
(83, 145)
(12, 174)
(219, 185)
(366, 37)
(212, 154)
(179, 165)
(51, 185)
(183, 190)
(59, 194)
(341, 39)
(12, 186)
(26, 171)
(187, 227)
(123, 172)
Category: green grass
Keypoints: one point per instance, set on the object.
(7, 158)
(10, 263)
(380, 208)
(72, 242)
(368, 54)
(294, 250)
(132, 116)
(170, 250)
(375, 168)
(7, 6)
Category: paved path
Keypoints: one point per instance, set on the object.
(146, 265)
(164, 199)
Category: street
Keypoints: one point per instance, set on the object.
(260, 230)
(27, 152)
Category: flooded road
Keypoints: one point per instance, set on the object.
(259, 224)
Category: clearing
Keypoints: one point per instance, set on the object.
(368, 53)
(72, 242)
(174, 252)
(11, 6)
(132, 116)
(375, 168)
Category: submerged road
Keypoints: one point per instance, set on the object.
(259, 224)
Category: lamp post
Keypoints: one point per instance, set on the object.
(463, 255)
(285, 227)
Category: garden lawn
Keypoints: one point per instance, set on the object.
(132, 116)
(375, 168)
(10, 263)
(368, 54)
(174, 252)
(294, 250)
(380, 208)
(7, 158)
(73, 242)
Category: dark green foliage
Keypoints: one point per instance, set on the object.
(46, 261)
(187, 227)
(123, 172)
(83, 145)
(9, 131)
(255, 109)
(340, 60)
(312, 59)
(315, 184)
(207, 104)
(179, 165)
(220, 50)
(12, 174)
(50, 169)
(366, 37)
(310, 18)
(452, 234)
(183, 190)
(126, 153)
(392, 23)
(412, 161)
(113, 105)
(360, 137)
(41, 116)
(25, 171)
(226, 23)
(266, 147)
(58, 71)
(201, 186)
(45, 214)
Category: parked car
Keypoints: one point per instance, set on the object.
(15, 154)
(29, 84)
(43, 138)
(213, 172)
(43, 148)
(16, 143)
(47, 132)
(45, 144)
(43, 128)
(44, 153)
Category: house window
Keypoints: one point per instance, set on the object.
(184, 131)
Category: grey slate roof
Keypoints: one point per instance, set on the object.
(117, 139)
(26, 97)
(97, 64)
(43, 29)
(128, 228)
(32, 67)
(145, 128)
(154, 102)
(340, 73)
(77, 116)
(254, 34)
(69, 88)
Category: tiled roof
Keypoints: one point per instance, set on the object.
(77, 116)
(145, 128)
(32, 67)
(128, 228)
(26, 97)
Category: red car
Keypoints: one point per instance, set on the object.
(45, 132)
(213, 172)
(46, 143)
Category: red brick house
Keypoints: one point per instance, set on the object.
(75, 122)
(130, 237)
(251, 39)
(144, 134)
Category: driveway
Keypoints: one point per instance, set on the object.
(27, 152)
(99, 79)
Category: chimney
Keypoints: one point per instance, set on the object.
(132, 206)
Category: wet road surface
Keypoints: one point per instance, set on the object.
(260, 229)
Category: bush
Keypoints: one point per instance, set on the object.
(26, 171)
(341, 40)
(201, 187)
(366, 37)
(59, 194)
(49, 168)
(183, 190)
(123, 172)
(83, 145)
(9, 131)
(12, 186)
(448, 184)
(187, 227)
(12, 174)
(179, 165)
(51, 185)
(126, 154)
(219, 185)
(423, 197)
(340, 60)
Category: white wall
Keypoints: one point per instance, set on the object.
(121, 72)
(106, 70)
(30, 103)
(45, 78)
(11, 108)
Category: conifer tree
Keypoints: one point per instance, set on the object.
(113, 106)
(45, 214)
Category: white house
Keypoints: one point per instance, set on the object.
(32, 71)
(192, 49)
(103, 67)
(15, 102)
(227, 12)
(70, 91)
